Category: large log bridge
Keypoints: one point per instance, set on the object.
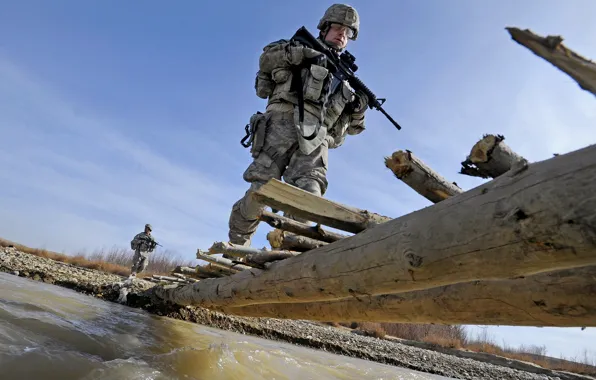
(518, 250)
(565, 298)
(537, 218)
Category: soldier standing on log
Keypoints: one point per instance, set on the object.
(292, 138)
(143, 244)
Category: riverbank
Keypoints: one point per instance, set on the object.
(114, 288)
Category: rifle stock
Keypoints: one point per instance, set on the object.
(343, 68)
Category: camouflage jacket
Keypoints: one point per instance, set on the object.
(143, 242)
(333, 102)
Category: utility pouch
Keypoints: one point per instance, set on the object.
(264, 85)
(313, 85)
(258, 126)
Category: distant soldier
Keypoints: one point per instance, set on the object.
(143, 244)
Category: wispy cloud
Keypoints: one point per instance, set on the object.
(87, 168)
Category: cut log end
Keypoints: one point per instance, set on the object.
(526, 36)
(400, 163)
(421, 178)
(581, 69)
(280, 239)
(481, 150)
(490, 157)
(276, 238)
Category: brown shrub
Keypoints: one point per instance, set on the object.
(443, 341)
(372, 329)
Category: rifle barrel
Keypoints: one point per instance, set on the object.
(389, 117)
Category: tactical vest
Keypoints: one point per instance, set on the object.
(324, 96)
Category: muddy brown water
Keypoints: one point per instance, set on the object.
(49, 332)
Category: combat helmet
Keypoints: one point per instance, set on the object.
(341, 14)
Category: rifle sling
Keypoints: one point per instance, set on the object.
(297, 86)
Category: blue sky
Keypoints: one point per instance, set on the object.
(116, 114)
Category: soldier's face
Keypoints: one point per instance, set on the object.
(338, 35)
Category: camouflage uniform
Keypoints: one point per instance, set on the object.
(143, 244)
(331, 110)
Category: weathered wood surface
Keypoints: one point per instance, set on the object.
(190, 271)
(490, 157)
(421, 178)
(184, 270)
(210, 271)
(564, 298)
(251, 256)
(168, 278)
(551, 49)
(537, 218)
(279, 239)
(221, 262)
(299, 228)
(302, 204)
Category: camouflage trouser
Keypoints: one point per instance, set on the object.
(139, 261)
(307, 172)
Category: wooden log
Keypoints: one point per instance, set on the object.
(220, 270)
(288, 241)
(551, 49)
(564, 298)
(167, 278)
(208, 271)
(213, 271)
(490, 157)
(191, 271)
(537, 218)
(184, 270)
(221, 262)
(290, 225)
(305, 205)
(421, 178)
(252, 256)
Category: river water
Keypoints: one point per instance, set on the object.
(49, 332)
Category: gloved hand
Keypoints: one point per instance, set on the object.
(313, 56)
(330, 141)
(360, 102)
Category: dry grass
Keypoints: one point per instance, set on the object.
(585, 364)
(457, 337)
(116, 260)
(372, 329)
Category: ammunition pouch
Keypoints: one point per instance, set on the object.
(282, 78)
(314, 82)
(258, 127)
(264, 85)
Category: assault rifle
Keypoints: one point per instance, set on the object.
(343, 67)
(151, 243)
